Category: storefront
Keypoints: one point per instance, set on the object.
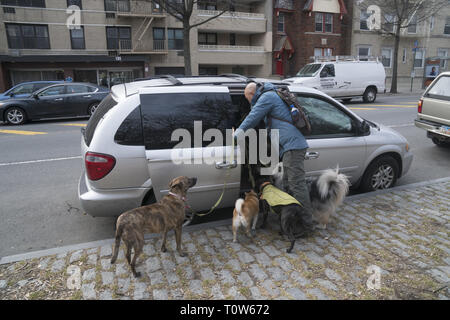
(102, 70)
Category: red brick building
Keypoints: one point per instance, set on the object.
(307, 28)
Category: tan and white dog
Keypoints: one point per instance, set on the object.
(245, 213)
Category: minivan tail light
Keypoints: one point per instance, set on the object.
(419, 106)
(98, 165)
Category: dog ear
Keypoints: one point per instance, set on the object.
(174, 183)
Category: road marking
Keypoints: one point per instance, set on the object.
(37, 161)
(387, 105)
(72, 124)
(401, 125)
(26, 133)
(363, 108)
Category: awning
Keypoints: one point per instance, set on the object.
(283, 44)
(342, 9)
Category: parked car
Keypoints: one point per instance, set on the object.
(24, 89)
(58, 100)
(127, 145)
(344, 80)
(434, 110)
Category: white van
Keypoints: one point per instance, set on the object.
(344, 78)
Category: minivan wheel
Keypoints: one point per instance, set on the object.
(381, 174)
(370, 95)
(15, 116)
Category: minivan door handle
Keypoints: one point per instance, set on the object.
(59, 99)
(226, 165)
(312, 155)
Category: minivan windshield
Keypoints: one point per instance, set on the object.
(310, 70)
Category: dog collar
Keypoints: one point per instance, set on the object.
(178, 196)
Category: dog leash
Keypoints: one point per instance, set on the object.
(217, 202)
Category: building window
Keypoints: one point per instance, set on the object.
(386, 54)
(27, 36)
(117, 5)
(412, 27)
(328, 22)
(319, 22)
(24, 3)
(159, 39)
(118, 38)
(419, 58)
(323, 22)
(207, 5)
(364, 51)
(431, 23)
(232, 39)
(77, 38)
(74, 3)
(208, 71)
(363, 20)
(323, 52)
(404, 55)
(175, 37)
(447, 26)
(207, 38)
(443, 53)
(280, 24)
(389, 23)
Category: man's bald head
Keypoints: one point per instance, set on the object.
(250, 91)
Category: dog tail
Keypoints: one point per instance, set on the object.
(119, 231)
(238, 206)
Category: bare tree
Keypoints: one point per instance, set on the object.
(182, 11)
(394, 17)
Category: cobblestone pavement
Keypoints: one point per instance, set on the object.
(403, 233)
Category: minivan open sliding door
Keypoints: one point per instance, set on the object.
(189, 115)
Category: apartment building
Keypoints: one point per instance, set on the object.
(308, 28)
(421, 41)
(113, 41)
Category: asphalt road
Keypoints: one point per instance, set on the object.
(39, 207)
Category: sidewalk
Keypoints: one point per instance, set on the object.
(402, 231)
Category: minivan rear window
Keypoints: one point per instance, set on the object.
(107, 104)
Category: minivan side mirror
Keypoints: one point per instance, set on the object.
(364, 128)
(323, 74)
(12, 94)
(35, 96)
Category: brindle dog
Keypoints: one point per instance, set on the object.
(160, 217)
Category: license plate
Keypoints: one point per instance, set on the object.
(445, 130)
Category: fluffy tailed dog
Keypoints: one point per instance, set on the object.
(245, 213)
(286, 207)
(160, 217)
(326, 193)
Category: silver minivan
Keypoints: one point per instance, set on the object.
(127, 143)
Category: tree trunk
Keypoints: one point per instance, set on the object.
(395, 65)
(187, 48)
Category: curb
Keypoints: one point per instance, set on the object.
(99, 243)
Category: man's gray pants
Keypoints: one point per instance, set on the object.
(294, 183)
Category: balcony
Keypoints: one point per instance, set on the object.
(126, 46)
(231, 55)
(134, 8)
(233, 21)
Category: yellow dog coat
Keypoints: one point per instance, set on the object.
(277, 197)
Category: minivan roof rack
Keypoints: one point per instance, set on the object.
(234, 75)
(344, 58)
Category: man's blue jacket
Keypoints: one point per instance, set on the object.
(267, 103)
